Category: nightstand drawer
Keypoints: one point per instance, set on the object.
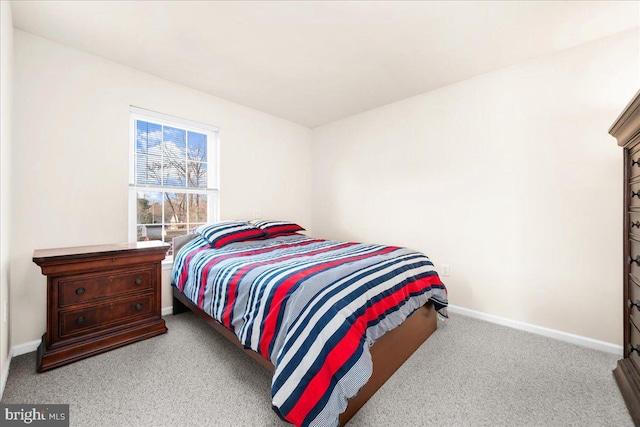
(98, 317)
(634, 259)
(634, 223)
(634, 164)
(79, 289)
(634, 296)
(634, 340)
(634, 195)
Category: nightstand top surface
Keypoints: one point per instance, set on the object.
(47, 255)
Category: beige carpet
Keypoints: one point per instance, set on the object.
(469, 373)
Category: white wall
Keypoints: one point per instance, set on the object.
(71, 124)
(6, 75)
(509, 177)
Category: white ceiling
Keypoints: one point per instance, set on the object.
(316, 62)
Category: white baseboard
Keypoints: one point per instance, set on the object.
(27, 347)
(551, 333)
(30, 346)
(5, 373)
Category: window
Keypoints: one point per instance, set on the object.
(173, 176)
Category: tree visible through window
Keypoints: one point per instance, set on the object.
(173, 176)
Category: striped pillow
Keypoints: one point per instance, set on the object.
(277, 228)
(223, 233)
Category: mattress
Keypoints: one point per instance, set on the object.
(312, 307)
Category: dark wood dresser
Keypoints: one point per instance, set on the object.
(99, 298)
(626, 130)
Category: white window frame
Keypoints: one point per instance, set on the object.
(213, 166)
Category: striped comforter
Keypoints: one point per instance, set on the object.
(312, 307)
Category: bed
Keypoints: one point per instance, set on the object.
(331, 320)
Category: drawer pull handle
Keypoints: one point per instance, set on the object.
(635, 224)
(80, 291)
(636, 303)
(636, 260)
(632, 349)
(138, 306)
(634, 194)
(80, 320)
(635, 162)
(139, 281)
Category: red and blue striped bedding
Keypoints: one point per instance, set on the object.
(312, 307)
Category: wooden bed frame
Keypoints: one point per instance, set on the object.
(388, 353)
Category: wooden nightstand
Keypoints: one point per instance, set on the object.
(99, 298)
